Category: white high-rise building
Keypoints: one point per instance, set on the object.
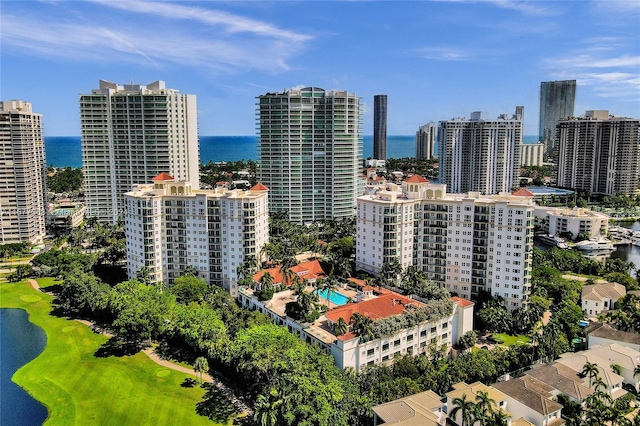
(465, 242)
(480, 155)
(426, 142)
(22, 174)
(599, 153)
(170, 225)
(310, 151)
(131, 133)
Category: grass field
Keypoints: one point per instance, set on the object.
(508, 339)
(79, 388)
(48, 281)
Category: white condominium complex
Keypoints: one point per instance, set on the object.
(426, 142)
(532, 154)
(310, 152)
(131, 133)
(480, 155)
(465, 242)
(22, 174)
(598, 153)
(171, 225)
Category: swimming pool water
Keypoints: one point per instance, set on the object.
(336, 298)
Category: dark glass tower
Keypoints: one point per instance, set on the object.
(380, 127)
(557, 100)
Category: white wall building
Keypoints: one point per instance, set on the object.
(601, 297)
(22, 174)
(532, 154)
(559, 220)
(426, 142)
(480, 155)
(599, 153)
(349, 350)
(131, 133)
(170, 225)
(465, 242)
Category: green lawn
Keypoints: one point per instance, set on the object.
(48, 281)
(79, 388)
(507, 339)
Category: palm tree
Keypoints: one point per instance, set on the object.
(362, 325)
(389, 273)
(189, 271)
(340, 327)
(330, 286)
(143, 275)
(498, 418)
(465, 408)
(266, 408)
(266, 281)
(591, 370)
(201, 366)
(616, 368)
(484, 405)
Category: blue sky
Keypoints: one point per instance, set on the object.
(434, 60)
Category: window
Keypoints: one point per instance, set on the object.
(385, 347)
(396, 343)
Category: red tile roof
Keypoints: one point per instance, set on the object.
(385, 305)
(259, 187)
(306, 270)
(416, 179)
(462, 302)
(523, 192)
(163, 176)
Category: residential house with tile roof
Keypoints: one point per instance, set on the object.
(421, 409)
(470, 392)
(602, 334)
(601, 297)
(531, 399)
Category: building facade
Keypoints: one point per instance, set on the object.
(22, 174)
(170, 225)
(310, 152)
(532, 154)
(464, 242)
(350, 350)
(557, 101)
(599, 153)
(480, 155)
(561, 220)
(426, 142)
(380, 127)
(131, 133)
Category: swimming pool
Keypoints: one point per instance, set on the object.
(336, 298)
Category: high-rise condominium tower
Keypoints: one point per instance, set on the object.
(426, 141)
(480, 155)
(22, 174)
(131, 133)
(599, 153)
(171, 226)
(557, 100)
(310, 152)
(467, 243)
(380, 127)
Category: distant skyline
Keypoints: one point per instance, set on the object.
(433, 60)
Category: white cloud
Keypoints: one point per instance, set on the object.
(589, 61)
(210, 39)
(229, 22)
(444, 53)
(535, 8)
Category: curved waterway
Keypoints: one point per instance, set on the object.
(20, 342)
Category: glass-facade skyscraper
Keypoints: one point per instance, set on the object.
(310, 152)
(380, 127)
(557, 100)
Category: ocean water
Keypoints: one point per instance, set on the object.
(62, 151)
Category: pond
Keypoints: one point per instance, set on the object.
(20, 342)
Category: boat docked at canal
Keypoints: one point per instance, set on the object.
(595, 246)
(552, 240)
